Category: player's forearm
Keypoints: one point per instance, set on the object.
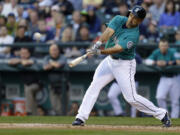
(115, 49)
(106, 35)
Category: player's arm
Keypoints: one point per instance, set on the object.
(116, 49)
(106, 34)
(151, 60)
(110, 30)
(120, 46)
(104, 37)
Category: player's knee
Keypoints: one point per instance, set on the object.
(131, 101)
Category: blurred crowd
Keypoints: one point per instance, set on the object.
(69, 21)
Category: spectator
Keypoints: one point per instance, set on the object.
(157, 9)
(177, 37)
(2, 21)
(68, 36)
(84, 34)
(31, 85)
(50, 22)
(84, 16)
(33, 24)
(46, 35)
(44, 12)
(66, 7)
(10, 6)
(55, 60)
(76, 22)
(93, 20)
(59, 26)
(163, 57)
(150, 35)
(109, 5)
(45, 3)
(20, 37)
(170, 17)
(11, 24)
(1, 8)
(5, 39)
(77, 4)
(21, 13)
(122, 9)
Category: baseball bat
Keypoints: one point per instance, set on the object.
(76, 61)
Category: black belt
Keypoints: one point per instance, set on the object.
(113, 57)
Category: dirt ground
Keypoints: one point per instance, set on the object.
(88, 127)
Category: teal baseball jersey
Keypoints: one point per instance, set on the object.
(126, 38)
(157, 55)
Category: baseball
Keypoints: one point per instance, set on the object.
(37, 36)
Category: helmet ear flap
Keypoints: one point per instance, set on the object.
(128, 13)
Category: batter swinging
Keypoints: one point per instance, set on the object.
(122, 34)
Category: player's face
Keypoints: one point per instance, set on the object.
(133, 21)
(163, 46)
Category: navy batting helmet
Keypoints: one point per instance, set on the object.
(138, 11)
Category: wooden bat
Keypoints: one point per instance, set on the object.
(76, 61)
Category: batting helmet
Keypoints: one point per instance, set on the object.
(138, 11)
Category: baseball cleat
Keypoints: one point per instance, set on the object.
(78, 122)
(166, 121)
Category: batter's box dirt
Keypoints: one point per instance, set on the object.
(87, 127)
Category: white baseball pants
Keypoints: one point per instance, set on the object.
(169, 85)
(123, 71)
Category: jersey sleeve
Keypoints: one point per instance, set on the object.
(153, 56)
(127, 44)
(115, 22)
(173, 56)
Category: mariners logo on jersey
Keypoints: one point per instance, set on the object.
(129, 44)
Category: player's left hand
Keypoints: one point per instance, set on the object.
(94, 51)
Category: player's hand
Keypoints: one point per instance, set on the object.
(94, 51)
(161, 63)
(97, 45)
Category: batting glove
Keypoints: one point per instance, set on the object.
(94, 51)
(97, 45)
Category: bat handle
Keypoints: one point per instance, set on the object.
(85, 55)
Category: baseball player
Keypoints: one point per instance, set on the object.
(164, 56)
(122, 35)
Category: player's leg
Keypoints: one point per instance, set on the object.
(133, 109)
(174, 96)
(113, 94)
(163, 88)
(101, 78)
(124, 74)
(31, 105)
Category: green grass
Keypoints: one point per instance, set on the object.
(76, 132)
(92, 120)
